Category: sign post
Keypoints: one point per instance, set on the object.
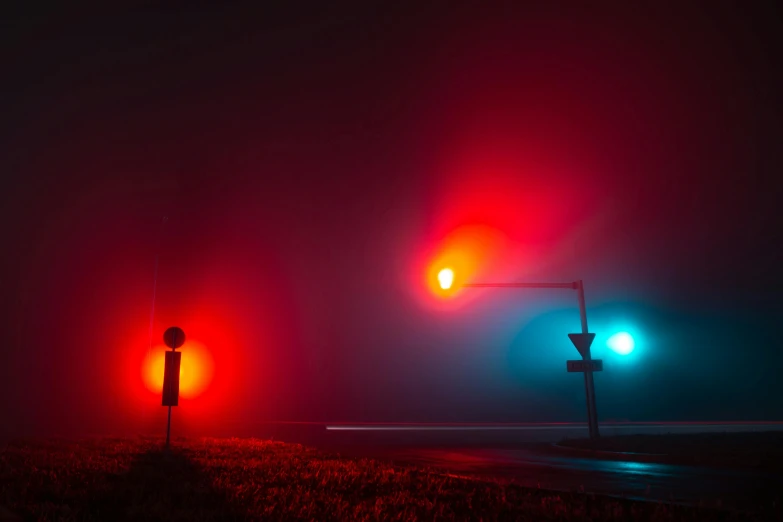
(582, 341)
(174, 337)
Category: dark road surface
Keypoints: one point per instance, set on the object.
(539, 466)
(525, 455)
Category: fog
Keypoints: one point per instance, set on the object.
(295, 176)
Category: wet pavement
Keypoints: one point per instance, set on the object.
(538, 466)
(524, 454)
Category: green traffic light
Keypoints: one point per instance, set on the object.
(621, 343)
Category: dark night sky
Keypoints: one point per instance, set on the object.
(308, 161)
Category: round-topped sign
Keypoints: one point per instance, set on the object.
(174, 337)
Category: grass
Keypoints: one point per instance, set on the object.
(758, 450)
(250, 479)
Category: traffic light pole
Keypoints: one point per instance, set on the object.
(168, 423)
(174, 337)
(592, 415)
(168, 429)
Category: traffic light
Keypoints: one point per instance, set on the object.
(621, 343)
(446, 278)
(467, 253)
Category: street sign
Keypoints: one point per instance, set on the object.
(174, 337)
(171, 378)
(593, 365)
(582, 341)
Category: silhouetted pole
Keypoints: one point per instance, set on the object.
(174, 337)
(168, 423)
(168, 429)
(592, 415)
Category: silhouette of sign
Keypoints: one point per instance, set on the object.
(582, 341)
(174, 337)
(171, 378)
(593, 365)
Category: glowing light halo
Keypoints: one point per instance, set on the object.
(195, 373)
(621, 343)
(467, 252)
(446, 278)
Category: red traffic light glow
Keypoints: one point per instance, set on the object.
(195, 372)
(228, 367)
(464, 255)
(503, 209)
(446, 278)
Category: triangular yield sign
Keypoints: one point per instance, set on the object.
(582, 341)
